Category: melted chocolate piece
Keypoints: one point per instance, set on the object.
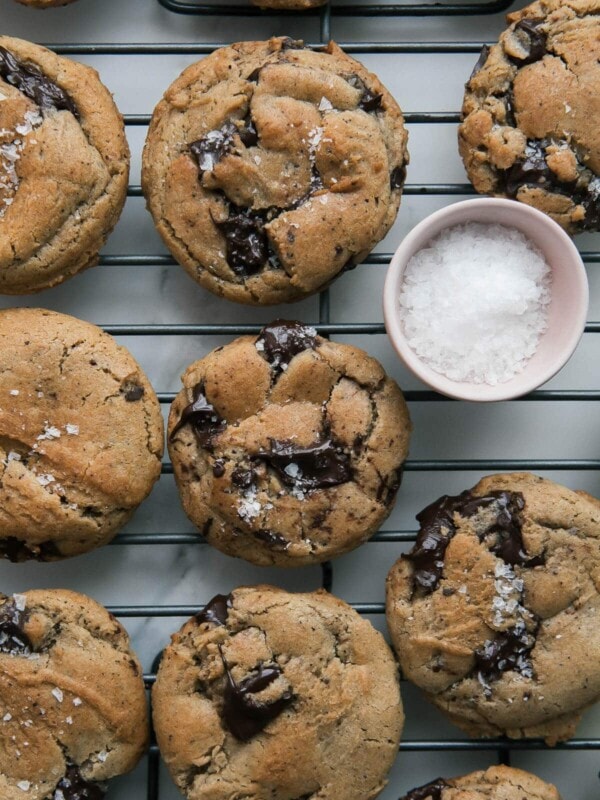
(397, 177)
(370, 101)
(31, 81)
(209, 150)
(243, 714)
(13, 639)
(218, 468)
(248, 134)
(205, 421)
(437, 529)
(215, 611)
(315, 467)
(134, 393)
(273, 539)
(16, 550)
(75, 787)
(509, 651)
(431, 790)
(246, 241)
(531, 170)
(292, 44)
(243, 477)
(533, 41)
(283, 339)
(483, 57)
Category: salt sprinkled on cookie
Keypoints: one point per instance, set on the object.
(474, 302)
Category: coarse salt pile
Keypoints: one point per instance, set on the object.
(474, 302)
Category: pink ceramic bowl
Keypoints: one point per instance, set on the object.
(568, 305)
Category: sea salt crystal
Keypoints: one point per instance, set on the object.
(57, 693)
(102, 756)
(20, 601)
(13, 456)
(14, 392)
(325, 105)
(44, 480)
(24, 785)
(474, 302)
(77, 701)
(72, 430)
(7, 717)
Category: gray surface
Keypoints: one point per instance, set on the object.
(191, 574)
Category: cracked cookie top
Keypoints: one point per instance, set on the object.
(530, 111)
(270, 168)
(72, 700)
(287, 448)
(81, 435)
(284, 696)
(495, 783)
(494, 611)
(64, 166)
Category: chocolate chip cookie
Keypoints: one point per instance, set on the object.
(72, 700)
(270, 168)
(280, 695)
(495, 612)
(499, 782)
(287, 448)
(531, 110)
(81, 435)
(64, 166)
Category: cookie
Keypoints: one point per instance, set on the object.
(530, 113)
(270, 168)
(287, 448)
(289, 5)
(280, 695)
(495, 783)
(81, 435)
(45, 3)
(72, 700)
(64, 167)
(495, 612)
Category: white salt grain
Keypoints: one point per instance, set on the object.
(474, 302)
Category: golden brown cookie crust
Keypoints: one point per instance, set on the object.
(338, 732)
(312, 188)
(501, 647)
(495, 783)
(76, 455)
(250, 504)
(69, 182)
(71, 694)
(529, 113)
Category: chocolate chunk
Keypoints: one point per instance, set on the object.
(509, 651)
(397, 177)
(272, 539)
(254, 75)
(282, 340)
(531, 170)
(292, 44)
(134, 393)
(205, 421)
(243, 477)
(483, 56)
(75, 787)
(218, 468)
(315, 467)
(370, 101)
(533, 41)
(437, 529)
(13, 639)
(243, 714)
(31, 81)
(215, 611)
(209, 150)
(16, 550)
(248, 133)
(431, 790)
(246, 241)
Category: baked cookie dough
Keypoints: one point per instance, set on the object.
(81, 435)
(72, 700)
(495, 783)
(270, 168)
(280, 695)
(287, 448)
(531, 110)
(64, 166)
(495, 612)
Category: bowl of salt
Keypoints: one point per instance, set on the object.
(486, 299)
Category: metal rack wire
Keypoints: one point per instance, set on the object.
(327, 14)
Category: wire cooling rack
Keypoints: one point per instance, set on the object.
(499, 749)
